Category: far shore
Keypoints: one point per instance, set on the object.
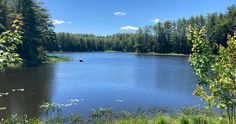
(111, 51)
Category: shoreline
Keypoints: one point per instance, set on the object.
(164, 54)
(110, 51)
(55, 59)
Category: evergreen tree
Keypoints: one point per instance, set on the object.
(38, 31)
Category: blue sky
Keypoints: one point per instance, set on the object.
(104, 17)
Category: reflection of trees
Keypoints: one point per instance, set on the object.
(165, 73)
(37, 84)
(171, 79)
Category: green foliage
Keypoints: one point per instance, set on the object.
(107, 116)
(191, 111)
(101, 115)
(9, 40)
(146, 40)
(184, 120)
(217, 75)
(5, 23)
(47, 108)
(163, 37)
(53, 59)
(75, 118)
(38, 29)
(16, 119)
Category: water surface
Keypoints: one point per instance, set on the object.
(122, 81)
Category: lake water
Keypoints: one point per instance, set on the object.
(122, 81)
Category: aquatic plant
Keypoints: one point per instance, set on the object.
(140, 111)
(74, 118)
(48, 107)
(4, 94)
(108, 116)
(3, 108)
(123, 115)
(58, 107)
(159, 110)
(102, 113)
(18, 90)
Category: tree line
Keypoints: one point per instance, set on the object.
(163, 37)
(37, 29)
(38, 34)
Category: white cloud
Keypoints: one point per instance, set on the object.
(119, 13)
(156, 20)
(128, 27)
(59, 22)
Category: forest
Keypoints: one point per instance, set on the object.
(27, 37)
(163, 37)
(37, 28)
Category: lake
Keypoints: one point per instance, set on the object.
(122, 81)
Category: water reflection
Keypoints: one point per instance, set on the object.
(122, 81)
(37, 85)
(169, 73)
(171, 77)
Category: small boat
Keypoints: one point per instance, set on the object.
(81, 60)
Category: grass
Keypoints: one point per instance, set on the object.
(191, 115)
(53, 59)
(132, 119)
(153, 53)
(165, 119)
(163, 54)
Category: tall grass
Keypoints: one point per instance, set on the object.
(156, 115)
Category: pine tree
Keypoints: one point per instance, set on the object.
(38, 31)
